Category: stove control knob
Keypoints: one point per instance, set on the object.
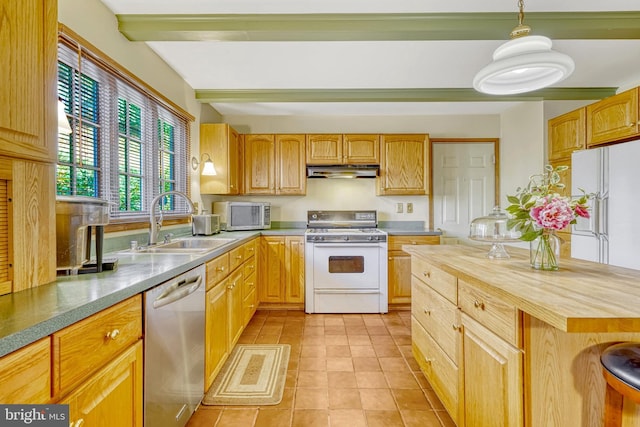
(370, 238)
(346, 238)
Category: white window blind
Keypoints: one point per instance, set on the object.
(126, 146)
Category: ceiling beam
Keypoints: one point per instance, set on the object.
(394, 95)
(372, 27)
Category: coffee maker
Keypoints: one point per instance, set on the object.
(77, 219)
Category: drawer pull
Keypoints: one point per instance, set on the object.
(111, 335)
(455, 327)
(220, 269)
(238, 256)
(478, 304)
(427, 311)
(426, 274)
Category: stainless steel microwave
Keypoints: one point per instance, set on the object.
(243, 215)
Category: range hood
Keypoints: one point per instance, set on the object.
(342, 171)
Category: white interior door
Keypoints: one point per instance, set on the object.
(463, 185)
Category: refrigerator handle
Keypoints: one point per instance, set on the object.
(603, 213)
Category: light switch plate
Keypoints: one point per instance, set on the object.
(409, 207)
(398, 207)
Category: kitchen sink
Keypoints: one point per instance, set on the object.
(186, 246)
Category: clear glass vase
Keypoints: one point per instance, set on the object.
(545, 251)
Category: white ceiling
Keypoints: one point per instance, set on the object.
(370, 65)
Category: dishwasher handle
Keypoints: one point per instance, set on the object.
(177, 290)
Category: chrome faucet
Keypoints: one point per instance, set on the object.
(156, 225)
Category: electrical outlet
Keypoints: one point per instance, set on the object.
(398, 207)
(409, 207)
(196, 207)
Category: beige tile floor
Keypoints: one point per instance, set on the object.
(348, 370)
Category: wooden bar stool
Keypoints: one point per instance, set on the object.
(621, 368)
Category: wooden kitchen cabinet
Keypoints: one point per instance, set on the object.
(229, 307)
(281, 264)
(566, 134)
(216, 331)
(28, 130)
(399, 268)
(467, 343)
(25, 374)
(26, 259)
(493, 391)
(613, 118)
(107, 333)
(97, 366)
(404, 163)
(113, 396)
(274, 164)
(28, 144)
(222, 143)
(234, 306)
(336, 149)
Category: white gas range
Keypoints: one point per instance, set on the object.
(345, 263)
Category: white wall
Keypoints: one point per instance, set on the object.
(522, 148)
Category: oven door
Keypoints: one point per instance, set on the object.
(347, 266)
(346, 278)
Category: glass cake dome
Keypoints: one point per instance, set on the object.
(493, 229)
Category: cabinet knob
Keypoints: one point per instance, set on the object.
(631, 125)
(426, 274)
(78, 423)
(427, 311)
(414, 243)
(220, 269)
(238, 256)
(478, 304)
(251, 306)
(455, 327)
(112, 335)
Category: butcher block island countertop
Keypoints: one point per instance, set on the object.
(525, 345)
(581, 296)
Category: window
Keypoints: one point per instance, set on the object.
(127, 146)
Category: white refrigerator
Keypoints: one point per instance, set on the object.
(612, 234)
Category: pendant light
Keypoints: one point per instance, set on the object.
(63, 123)
(523, 64)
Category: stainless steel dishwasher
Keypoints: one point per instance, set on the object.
(174, 349)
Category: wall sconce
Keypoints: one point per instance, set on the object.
(208, 169)
(63, 122)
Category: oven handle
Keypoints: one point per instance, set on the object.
(346, 291)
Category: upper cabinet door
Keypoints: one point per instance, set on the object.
(28, 40)
(222, 144)
(613, 118)
(259, 164)
(324, 149)
(362, 149)
(567, 133)
(291, 174)
(404, 163)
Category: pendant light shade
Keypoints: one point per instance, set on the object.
(523, 64)
(63, 122)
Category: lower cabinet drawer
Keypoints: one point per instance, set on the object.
(89, 344)
(444, 283)
(438, 316)
(217, 269)
(496, 315)
(439, 370)
(25, 374)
